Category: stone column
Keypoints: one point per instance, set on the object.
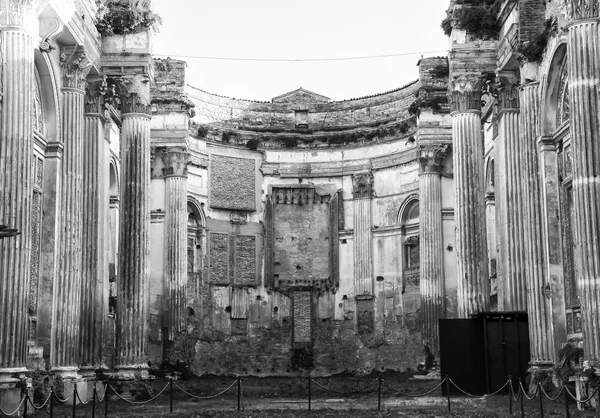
(133, 279)
(176, 263)
(363, 253)
(539, 306)
(509, 198)
(471, 246)
(64, 352)
(16, 132)
(95, 209)
(583, 56)
(431, 243)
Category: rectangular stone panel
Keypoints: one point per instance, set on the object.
(218, 245)
(232, 183)
(302, 316)
(245, 249)
(365, 316)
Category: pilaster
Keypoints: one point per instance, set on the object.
(471, 245)
(64, 352)
(175, 275)
(95, 208)
(431, 245)
(362, 189)
(583, 60)
(16, 132)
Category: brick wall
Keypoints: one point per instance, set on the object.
(531, 19)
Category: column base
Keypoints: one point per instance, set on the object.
(132, 382)
(65, 380)
(542, 372)
(11, 388)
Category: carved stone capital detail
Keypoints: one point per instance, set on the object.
(95, 92)
(362, 185)
(506, 92)
(582, 9)
(175, 160)
(16, 12)
(430, 158)
(465, 94)
(75, 67)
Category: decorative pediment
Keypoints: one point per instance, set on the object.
(301, 96)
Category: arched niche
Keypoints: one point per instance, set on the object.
(113, 229)
(555, 92)
(196, 245)
(408, 218)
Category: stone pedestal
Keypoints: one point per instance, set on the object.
(512, 292)
(471, 246)
(583, 39)
(16, 134)
(363, 252)
(64, 354)
(539, 305)
(176, 262)
(133, 278)
(431, 244)
(95, 208)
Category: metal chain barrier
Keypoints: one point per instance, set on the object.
(550, 397)
(462, 391)
(63, 400)
(47, 401)
(16, 410)
(81, 402)
(512, 391)
(415, 396)
(352, 392)
(140, 402)
(204, 397)
(586, 400)
(521, 388)
(496, 392)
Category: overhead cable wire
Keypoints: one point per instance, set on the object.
(364, 57)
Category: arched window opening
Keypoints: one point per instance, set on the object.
(196, 246)
(410, 257)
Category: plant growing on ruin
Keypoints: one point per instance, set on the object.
(202, 131)
(477, 17)
(252, 144)
(119, 17)
(533, 51)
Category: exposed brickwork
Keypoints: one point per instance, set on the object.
(365, 316)
(245, 250)
(531, 19)
(232, 259)
(218, 258)
(232, 183)
(302, 317)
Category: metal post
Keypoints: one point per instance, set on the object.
(171, 395)
(106, 400)
(25, 404)
(74, 399)
(541, 400)
(239, 408)
(448, 392)
(522, 398)
(94, 401)
(567, 413)
(510, 395)
(379, 395)
(309, 394)
(51, 402)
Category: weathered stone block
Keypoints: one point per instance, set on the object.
(232, 183)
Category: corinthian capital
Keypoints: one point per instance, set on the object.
(75, 66)
(362, 185)
(134, 93)
(17, 13)
(582, 9)
(465, 94)
(175, 161)
(94, 95)
(506, 92)
(430, 158)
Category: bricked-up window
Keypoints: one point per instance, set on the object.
(301, 119)
(302, 317)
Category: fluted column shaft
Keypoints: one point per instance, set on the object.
(64, 355)
(431, 245)
(94, 262)
(133, 284)
(175, 240)
(539, 306)
(510, 201)
(471, 244)
(363, 253)
(584, 77)
(16, 132)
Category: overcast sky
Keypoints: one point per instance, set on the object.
(305, 29)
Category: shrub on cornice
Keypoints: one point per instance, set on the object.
(119, 17)
(252, 144)
(477, 17)
(534, 51)
(203, 131)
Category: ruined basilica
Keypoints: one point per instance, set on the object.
(159, 222)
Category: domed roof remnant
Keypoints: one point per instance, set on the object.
(300, 96)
